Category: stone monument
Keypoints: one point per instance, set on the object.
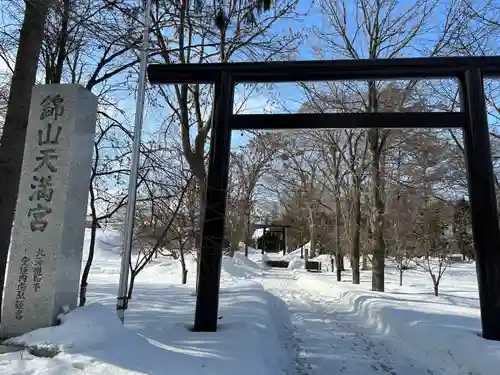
(43, 270)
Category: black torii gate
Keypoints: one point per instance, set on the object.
(472, 118)
(282, 229)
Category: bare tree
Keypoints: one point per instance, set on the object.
(382, 29)
(16, 119)
(196, 40)
(300, 171)
(355, 159)
(154, 224)
(86, 42)
(332, 150)
(4, 96)
(180, 240)
(462, 229)
(401, 212)
(71, 53)
(251, 162)
(434, 238)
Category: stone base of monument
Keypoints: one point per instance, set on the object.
(42, 351)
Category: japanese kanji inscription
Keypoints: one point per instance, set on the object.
(47, 238)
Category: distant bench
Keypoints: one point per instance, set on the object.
(313, 266)
(278, 263)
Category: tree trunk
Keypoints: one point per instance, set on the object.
(247, 234)
(183, 265)
(241, 225)
(184, 271)
(263, 242)
(133, 275)
(400, 256)
(88, 264)
(338, 253)
(376, 147)
(199, 233)
(234, 243)
(16, 120)
(369, 238)
(57, 70)
(356, 233)
(365, 262)
(338, 268)
(312, 251)
(435, 283)
(378, 245)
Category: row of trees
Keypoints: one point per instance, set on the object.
(321, 180)
(95, 43)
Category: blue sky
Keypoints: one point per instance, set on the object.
(289, 93)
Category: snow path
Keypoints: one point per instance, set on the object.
(331, 341)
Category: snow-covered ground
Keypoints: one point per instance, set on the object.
(272, 322)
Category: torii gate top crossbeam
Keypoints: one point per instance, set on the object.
(324, 70)
(332, 70)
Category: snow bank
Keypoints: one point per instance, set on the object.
(251, 250)
(445, 329)
(296, 263)
(240, 267)
(93, 339)
(293, 254)
(157, 338)
(258, 233)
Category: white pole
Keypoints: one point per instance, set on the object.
(122, 302)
